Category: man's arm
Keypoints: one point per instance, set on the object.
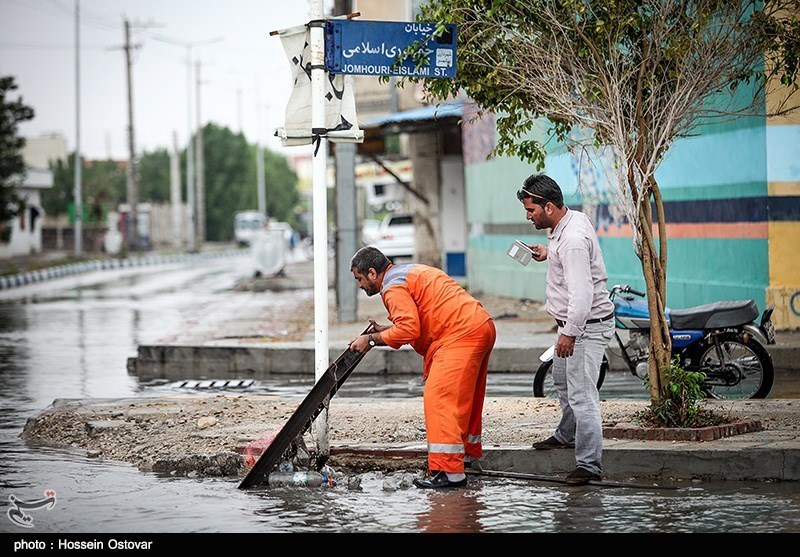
(578, 276)
(405, 326)
(404, 316)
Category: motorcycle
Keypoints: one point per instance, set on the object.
(721, 340)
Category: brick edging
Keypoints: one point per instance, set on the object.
(709, 433)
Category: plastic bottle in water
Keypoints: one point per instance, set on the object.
(285, 466)
(302, 478)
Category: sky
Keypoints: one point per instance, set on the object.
(245, 77)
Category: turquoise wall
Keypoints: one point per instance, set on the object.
(717, 178)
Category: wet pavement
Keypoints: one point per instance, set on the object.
(70, 339)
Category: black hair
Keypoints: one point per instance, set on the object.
(369, 258)
(541, 189)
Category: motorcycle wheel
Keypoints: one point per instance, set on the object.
(744, 371)
(543, 385)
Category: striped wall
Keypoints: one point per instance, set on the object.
(732, 202)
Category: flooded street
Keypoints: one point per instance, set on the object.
(71, 338)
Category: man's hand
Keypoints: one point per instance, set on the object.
(359, 344)
(565, 346)
(539, 252)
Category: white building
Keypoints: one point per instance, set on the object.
(40, 151)
(26, 228)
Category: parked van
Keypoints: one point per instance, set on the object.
(247, 224)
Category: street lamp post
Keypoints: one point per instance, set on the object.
(78, 186)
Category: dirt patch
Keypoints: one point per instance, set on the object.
(207, 435)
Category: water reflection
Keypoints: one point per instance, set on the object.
(452, 512)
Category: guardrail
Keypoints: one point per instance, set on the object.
(59, 271)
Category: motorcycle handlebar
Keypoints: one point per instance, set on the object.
(627, 289)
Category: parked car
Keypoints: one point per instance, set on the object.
(369, 231)
(395, 236)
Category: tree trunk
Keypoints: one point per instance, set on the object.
(654, 270)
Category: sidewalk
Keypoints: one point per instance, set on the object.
(227, 344)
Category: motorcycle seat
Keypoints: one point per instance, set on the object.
(715, 315)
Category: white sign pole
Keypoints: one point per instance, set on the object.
(320, 209)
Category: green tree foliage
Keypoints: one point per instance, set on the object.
(628, 75)
(229, 171)
(12, 165)
(102, 183)
(282, 194)
(154, 181)
(230, 181)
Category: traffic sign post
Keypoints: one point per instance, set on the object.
(385, 48)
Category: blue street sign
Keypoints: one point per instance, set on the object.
(373, 47)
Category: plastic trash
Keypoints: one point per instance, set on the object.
(257, 447)
(296, 479)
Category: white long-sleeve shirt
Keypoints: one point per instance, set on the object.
(576, 274)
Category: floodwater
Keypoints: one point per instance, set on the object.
(71, 339)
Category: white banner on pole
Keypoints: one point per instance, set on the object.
(340, 103)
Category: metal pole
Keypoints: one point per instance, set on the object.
(346, 231)
(260, 180)
(78, 185)
(190, 154)
(199, 177)
(320, 209)
(175, 194)
(133, 197)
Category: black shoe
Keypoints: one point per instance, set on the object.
(581, 476)
(550, 443)
(437, 481)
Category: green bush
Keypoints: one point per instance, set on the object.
(680, 405)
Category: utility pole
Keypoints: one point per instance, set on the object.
(78, 186)
(260, 181)
(131, 227)
(239, 108)
(175, 194)
(200, 196)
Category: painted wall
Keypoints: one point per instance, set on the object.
(732, 202)
(783, 176)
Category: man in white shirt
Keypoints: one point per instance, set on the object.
(578, 300)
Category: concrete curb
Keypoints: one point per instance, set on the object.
(751, 457)
(259, 362)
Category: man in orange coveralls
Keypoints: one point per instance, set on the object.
(455, 336)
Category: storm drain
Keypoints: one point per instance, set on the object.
(214, 384)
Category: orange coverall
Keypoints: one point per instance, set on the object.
(455, 335)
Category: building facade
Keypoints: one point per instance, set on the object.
(732, 204)
(26, 227)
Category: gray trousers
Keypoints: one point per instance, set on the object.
(575, 379)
